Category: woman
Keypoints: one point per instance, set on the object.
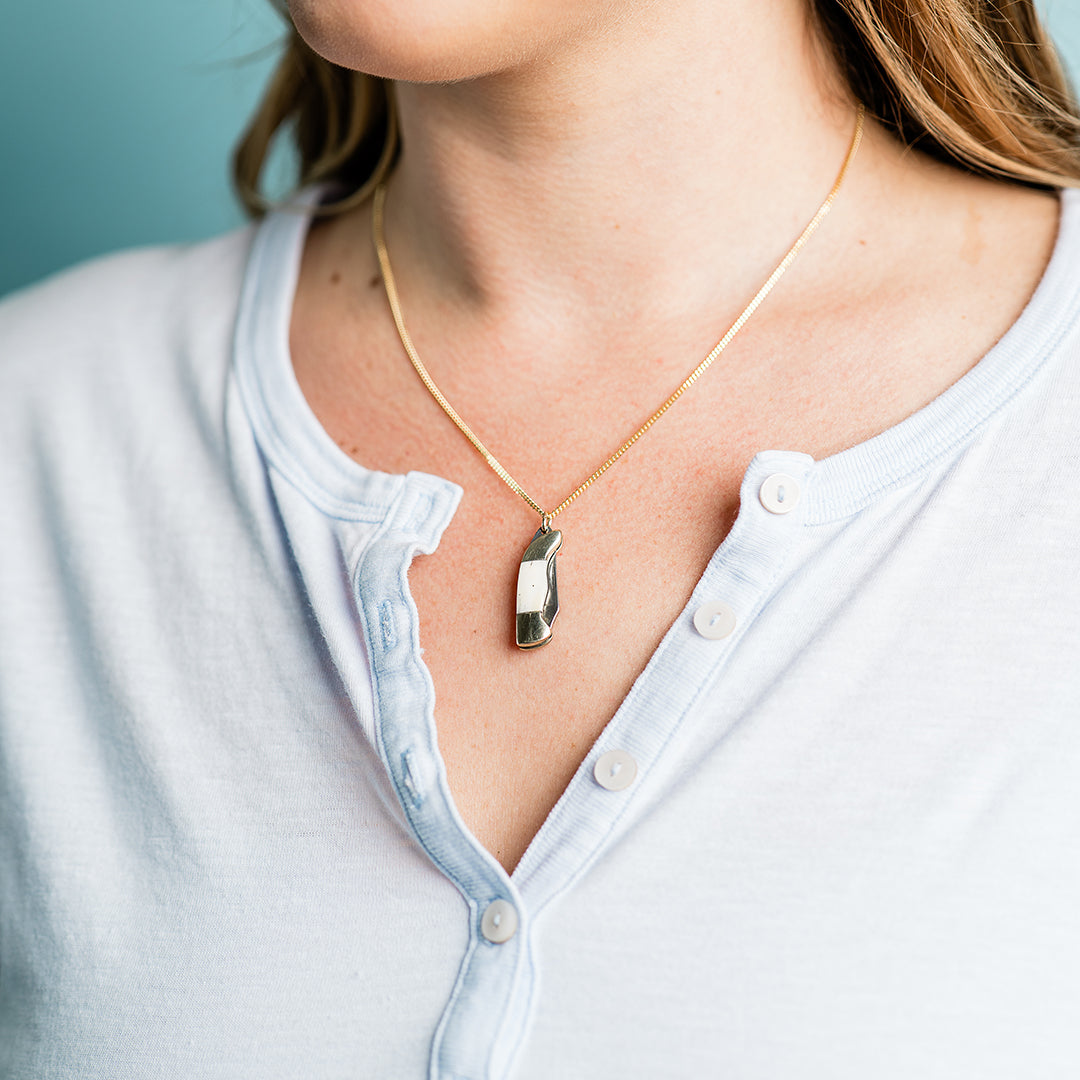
(789, 788)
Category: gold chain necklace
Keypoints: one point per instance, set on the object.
(537, 594)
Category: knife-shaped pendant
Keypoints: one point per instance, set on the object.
(537, 592)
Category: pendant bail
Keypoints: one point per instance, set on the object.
(545, 523)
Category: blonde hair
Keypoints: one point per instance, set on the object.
(976, 83)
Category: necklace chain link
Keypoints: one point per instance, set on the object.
(546, 516)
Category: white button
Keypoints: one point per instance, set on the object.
(500, 922)
(715, 620)
(615, 770)
(779, 493)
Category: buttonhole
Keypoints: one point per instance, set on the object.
(386, 624)
(408, 777)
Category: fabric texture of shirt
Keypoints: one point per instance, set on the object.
(227, 844)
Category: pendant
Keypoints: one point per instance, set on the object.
(537, 593)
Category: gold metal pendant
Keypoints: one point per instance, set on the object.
(537, 592)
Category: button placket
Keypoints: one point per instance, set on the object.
(735, 584)
(489, 1006)
(486, 1016)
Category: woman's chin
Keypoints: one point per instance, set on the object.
(448, 41)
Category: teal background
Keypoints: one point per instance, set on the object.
(118, 117)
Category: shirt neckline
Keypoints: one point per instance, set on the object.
(296, 444)
(846, 482)
(290, 436)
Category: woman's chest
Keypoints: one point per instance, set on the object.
(513, 724)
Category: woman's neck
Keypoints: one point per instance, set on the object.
(647, 173)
